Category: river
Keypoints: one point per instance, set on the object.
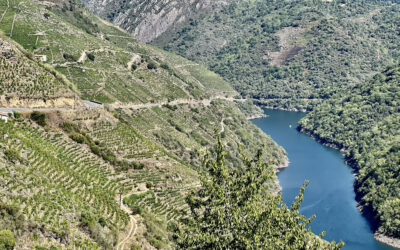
(330, 195)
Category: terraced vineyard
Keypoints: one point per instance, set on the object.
(188, 131)
(104, 63)
(23, 78)
(53, 181)
(62, 182)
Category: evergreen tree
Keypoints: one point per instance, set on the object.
(239, 208)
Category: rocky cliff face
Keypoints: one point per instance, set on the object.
(149, 19)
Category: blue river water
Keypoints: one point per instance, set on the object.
(330, 195)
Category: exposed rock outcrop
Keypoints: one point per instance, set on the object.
(147, 20)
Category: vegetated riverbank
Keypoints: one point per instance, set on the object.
(366, 210)
(284, 165)
(301, 105)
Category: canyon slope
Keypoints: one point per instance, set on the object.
(325, 56)
(293, 55)
(148, 20)
(105, 136)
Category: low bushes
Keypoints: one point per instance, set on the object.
(7, 240)
(39, 118)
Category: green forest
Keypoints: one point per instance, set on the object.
(293, 54)
(365, 122)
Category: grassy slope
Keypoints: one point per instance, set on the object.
(293, 53)
(367, 123)
(62, 192)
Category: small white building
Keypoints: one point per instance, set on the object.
(4, 117)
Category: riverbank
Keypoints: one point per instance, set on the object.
(263, 106)
(284, 165)
(388, 240)
(331, 192)
(256, 116)
(367, 211)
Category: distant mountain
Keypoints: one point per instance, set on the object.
(293, 54)
(147, 20)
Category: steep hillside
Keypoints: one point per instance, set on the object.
(111, 174)
(27, 82)
(148, 20)
(103, 62)
(366, 124)
(293, 54)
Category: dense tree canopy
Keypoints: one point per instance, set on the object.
(294, 53)
(366, 122)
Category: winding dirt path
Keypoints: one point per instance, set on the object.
(132, 223)
(177, 102)
(92, 105)
(186, 65)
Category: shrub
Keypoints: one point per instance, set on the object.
(7, 240)
(136, 209)
(70, 127)
(135, 247)
(69, 57)
(79, 138)
(102, 222)
(13, 155)
(91, 56)
(165, 66)
(152, 65)
(39, 118)
(138, 166)
(17, 115)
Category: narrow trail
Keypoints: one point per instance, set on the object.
(133, 223)
(186, 65)
(12, 26)
(177, 102)
(222, 126)
(88, 105)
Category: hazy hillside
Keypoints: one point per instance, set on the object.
(147, 20)
(293, 53)
(366, 123)
(94, 176)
